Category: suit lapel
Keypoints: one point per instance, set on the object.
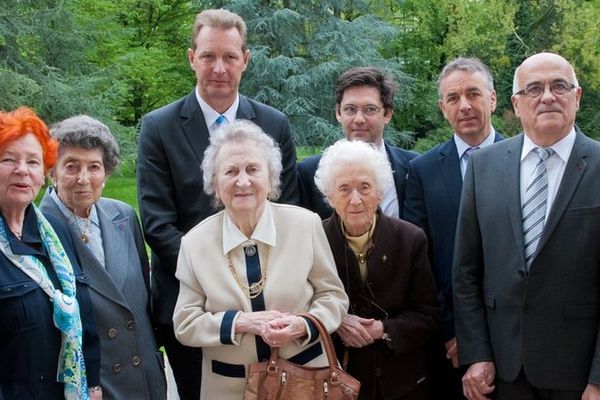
(511, 171)
(450, 167)
(245, 109)
(100, 280)
(114, 229)
(574, 171)
(194, 126)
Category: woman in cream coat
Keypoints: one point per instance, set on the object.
(245, 271)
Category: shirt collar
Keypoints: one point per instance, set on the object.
(211, 115)
(462, 146)
(263, 232)
(31, 242)
(562, 148)
(69, 214)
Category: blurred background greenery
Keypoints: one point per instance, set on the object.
(119, 60)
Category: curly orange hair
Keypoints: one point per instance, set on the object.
(16, 124)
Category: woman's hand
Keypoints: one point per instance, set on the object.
(256, 322)
(354, 331)
(283, 330)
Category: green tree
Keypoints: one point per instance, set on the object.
(299, 48)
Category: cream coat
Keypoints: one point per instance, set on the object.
(301, 277)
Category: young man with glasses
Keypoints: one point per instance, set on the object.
(364, 106)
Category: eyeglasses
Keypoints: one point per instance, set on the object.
(558, 88)
(351, 110)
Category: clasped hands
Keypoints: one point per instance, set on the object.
(276, 328)
(359, 332)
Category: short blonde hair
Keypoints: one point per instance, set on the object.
(222, 19)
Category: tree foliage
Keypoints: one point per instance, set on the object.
(119, 60)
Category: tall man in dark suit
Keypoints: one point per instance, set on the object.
(467, 100)
(364, 105)
(526, 272)
(171, 149)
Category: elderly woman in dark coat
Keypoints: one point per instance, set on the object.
(383, 264)
(110, 246)
(48, 343)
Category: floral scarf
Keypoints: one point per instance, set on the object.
(71, 366)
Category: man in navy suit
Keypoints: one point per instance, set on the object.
(526, 271)
(364, 105)
(171, 148)
(467, 100)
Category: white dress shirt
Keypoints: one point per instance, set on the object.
(389, 202)
(462, 146)
(211, 115)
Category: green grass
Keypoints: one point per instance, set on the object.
(122, 188)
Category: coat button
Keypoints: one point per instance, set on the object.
(136, 361)
(130, 324)
(112, 333)
(117, 368)
(378, 372)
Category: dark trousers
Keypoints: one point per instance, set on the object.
(185, 361)
(521, 389)
(445, 380)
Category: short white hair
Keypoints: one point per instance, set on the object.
(240, 131)
(346, 152)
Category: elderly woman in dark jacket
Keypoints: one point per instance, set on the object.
(383, 264)
(48, 343)
(110, 246)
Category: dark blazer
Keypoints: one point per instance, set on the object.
(312, 198)
(29, 340)
(545, 322)
(170, 188)
(432, 199)
(399, 281)
(131, 363)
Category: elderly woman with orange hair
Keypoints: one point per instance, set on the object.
(48, 343)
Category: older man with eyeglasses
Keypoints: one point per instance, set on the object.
(526, 273)
(364, 106)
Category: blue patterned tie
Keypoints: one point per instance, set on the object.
(220, 121)
(533, 209)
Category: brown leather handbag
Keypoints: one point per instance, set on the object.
(280, 379)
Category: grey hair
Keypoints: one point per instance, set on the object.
(468, 65)
(239, 131)
(347, 152)
(85, 132)
(516, 87)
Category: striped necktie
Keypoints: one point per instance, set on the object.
(533, 209)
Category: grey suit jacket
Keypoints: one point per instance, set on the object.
(546, 321)
(131, 366)
(170, 188)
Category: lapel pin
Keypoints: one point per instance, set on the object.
(384, 258)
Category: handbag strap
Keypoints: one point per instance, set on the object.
(325, 342)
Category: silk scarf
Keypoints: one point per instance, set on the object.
(71, 365)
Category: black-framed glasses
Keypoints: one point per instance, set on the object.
(351, 110)
(558, 88)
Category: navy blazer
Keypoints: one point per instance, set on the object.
(170, 187)
(313, 199)
(29, 341)
(432, 201)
